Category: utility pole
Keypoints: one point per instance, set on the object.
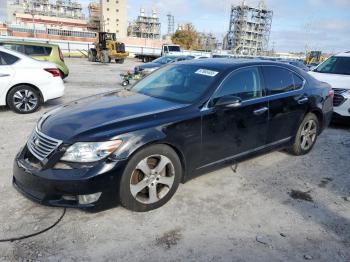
(33, 20)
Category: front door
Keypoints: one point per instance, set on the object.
(227, 132)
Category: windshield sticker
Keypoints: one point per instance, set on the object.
(206, 72)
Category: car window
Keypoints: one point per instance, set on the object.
(179, 83)
(298, 81)
(278, 80)
(244, 83)
(37, 50)
(7, 59)
(15, 47)
(335, 65)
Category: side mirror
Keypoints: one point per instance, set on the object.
(228, 102)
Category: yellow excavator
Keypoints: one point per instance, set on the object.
(107, 49)
(314, 57)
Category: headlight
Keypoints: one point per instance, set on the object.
(85, 152)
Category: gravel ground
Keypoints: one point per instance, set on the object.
(249, 214)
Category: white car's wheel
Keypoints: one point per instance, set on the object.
(23, 99)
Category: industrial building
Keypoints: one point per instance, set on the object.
(94, 16)
(114, 18)
(145, 26)
(207, 41)
(60, 20)
(249, 29)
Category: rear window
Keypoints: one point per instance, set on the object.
(7, 59)
(335, 65)
(33, 50)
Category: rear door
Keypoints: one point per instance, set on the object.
(288, 102)
(6, 73)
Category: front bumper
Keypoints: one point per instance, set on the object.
(60, 187)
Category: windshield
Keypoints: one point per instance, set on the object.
(174, 48)
(335, 65)
(179, 83)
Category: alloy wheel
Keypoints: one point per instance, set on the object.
(152, 179)
(25, 100)
(308, 134)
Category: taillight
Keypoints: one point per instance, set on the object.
(53, 71)
(331, 93)
(61, 54)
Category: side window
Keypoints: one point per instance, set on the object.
(298, 81)
(34, 50)
(244, 83)
(278, 80)
(7, 59)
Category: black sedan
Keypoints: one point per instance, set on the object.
(135, 146)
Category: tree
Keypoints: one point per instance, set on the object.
(186, 36)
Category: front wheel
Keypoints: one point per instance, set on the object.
(23, 99)
(150, 178)
(306, 136)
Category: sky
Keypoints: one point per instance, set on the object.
(298, 25)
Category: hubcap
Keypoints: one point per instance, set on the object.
(25, 100)
(308, 134)
(152, 179)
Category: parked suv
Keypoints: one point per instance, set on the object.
(336, 71)
(40, 51)
(136, 146)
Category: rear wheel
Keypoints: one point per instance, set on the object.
(306, 136)
(120, 61)
(150, 178)
(125, 83)
(23, 99)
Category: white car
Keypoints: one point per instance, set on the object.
(26, 83)
(336, 72)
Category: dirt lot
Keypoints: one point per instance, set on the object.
(247, 215)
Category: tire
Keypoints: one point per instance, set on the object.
(23, 99)
(125, 83)
(306, 136)
(92, 55)
(136, 185)
(120, 61)
(104, 57)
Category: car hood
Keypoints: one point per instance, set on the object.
(336, 81)
(101, 117)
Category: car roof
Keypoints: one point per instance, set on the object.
(232, 63)
(344, 54)
(27, 43)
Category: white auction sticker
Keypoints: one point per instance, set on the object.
(206, 72)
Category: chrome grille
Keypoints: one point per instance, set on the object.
(338, 99)
(41, 145)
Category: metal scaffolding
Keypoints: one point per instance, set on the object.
(145, 26)
(171, 24)
(249, 29)
(58, 8)
(94, 16)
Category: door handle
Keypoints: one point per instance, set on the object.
(303, 100)
(260, 111)
(4, 75)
